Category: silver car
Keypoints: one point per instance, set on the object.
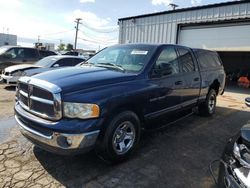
(10, 75)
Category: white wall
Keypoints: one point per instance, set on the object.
(6, 38)
(224, 37)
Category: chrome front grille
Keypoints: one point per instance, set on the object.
(40, 98)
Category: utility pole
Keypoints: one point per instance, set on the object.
(77, 25)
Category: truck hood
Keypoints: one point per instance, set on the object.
(20, 67)
(73, 79)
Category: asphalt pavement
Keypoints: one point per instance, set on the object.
(176, 156)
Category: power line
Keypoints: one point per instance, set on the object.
(66, 31)
(96, 38)
(101, 30)
(96, 42)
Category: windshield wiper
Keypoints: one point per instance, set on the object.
(111, 65)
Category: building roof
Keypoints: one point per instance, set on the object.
(187, 9)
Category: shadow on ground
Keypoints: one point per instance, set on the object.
(177, 156)
(10, 88)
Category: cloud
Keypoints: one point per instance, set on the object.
(9, 3)
(28, 25)
(195, 2)
(88, 17)
(94, 30)
(87, 1)
(160, 2)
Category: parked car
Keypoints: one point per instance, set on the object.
(235, 162)
(11, 74)
(46, 53)
(14, 55)
(85, 55)
(105, 103)
(247, 102)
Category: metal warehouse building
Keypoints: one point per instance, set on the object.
(224, 27)
(7, 39)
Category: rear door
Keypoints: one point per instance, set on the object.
(166, 82)
(31, 55)
(190, 75)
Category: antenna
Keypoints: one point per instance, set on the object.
(174, 6)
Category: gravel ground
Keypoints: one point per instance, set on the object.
(177, 156)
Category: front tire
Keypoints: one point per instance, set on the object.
(120, 138)
(207, 108)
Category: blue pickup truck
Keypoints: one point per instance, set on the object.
(105, 102)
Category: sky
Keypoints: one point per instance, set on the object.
(52, 21)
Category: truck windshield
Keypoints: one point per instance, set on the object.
(46, 62)
(130, 58)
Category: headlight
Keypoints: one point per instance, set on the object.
(80, 110)
(236, 151)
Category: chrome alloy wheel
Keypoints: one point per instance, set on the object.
(123, 138)
(211, 103)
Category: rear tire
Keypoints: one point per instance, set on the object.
(120, 138)
(207, 108)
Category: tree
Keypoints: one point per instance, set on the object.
(61, 47)
(69, 47)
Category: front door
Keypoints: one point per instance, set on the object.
(165, 83)
(11, 57)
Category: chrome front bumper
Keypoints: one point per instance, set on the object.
(60, 143)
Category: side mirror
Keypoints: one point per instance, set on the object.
(162, 69)
(247, 101)
(56, 65)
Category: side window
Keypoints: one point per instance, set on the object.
(186, 60)
(30, 53)
(208, 60)
(15, 53)
(76, 61)
(202, 59)
(63, 62)
(215, 58)
(167, 63)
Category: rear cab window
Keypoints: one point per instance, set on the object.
(185, 60)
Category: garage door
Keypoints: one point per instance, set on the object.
(220, 37)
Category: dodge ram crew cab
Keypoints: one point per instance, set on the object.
(105, 102)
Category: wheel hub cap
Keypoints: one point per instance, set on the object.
(123, 138)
